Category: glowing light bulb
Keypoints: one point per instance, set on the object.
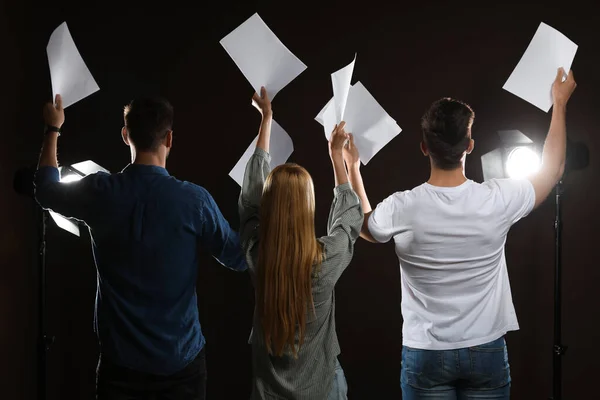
(70, 178)
(522, 162)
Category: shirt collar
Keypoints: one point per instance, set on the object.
(145, 169)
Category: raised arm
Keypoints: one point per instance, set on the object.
(345, 216)
(74, 199)
(54, 118)
(352, 160)
(263, 104)
(554, 153)
(257, 170)
(336, 146)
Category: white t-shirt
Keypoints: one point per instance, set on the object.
(450, 243)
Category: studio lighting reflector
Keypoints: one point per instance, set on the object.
(72, 173)
(517, 157)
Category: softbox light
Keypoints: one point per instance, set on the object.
(72, 173)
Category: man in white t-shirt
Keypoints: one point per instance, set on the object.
(449, 235)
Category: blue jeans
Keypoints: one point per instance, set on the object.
(339, 390)
(479, 372)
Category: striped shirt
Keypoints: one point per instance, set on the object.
(310, 376)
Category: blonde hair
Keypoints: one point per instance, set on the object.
(288, 250)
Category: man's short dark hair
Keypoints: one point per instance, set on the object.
(446, 126)
(148, 120)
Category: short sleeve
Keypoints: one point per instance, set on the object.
(384, 221)
(517, 196)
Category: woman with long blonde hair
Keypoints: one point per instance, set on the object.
(294, 343)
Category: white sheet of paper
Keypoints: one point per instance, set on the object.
(321, 115)
(533, 76)
(340, 82)
(70, 76)
(65, 223)
(327, 118)
(280, 149)
(370, 124)
(261, 56)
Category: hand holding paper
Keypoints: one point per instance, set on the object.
(562, 90)
(534, 74)
(336, 146)
(68, 72)
(351, 155)
(262, 103)
(54, 113)
(338, 139)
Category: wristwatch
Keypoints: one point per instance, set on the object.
(51, 128)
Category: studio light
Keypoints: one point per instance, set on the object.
(68, 174)
(522, 162)
(517, 157)
(70, 178)
(23, 184)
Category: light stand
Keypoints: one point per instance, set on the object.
(23, 184)
(494, 166)
(577, 158)
(44, 341)
(559, 348)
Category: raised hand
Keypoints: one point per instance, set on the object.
(351, 156)
(54, 114)
(338, 139)
(336, 146)
(562, 91)
(262, 103)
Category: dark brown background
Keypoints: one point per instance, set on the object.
(408, 56)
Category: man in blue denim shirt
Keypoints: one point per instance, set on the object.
(146, 227)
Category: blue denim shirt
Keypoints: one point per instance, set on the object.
(146, 227)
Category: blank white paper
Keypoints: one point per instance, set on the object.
(65, 223)
(261, 56)
(533, 76)
(340, 82)
(320, 118)
(371, 126)
(326, 117)
(70, 76)
(280, 149)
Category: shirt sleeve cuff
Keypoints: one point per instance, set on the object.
(342, 188)
(261, 153)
